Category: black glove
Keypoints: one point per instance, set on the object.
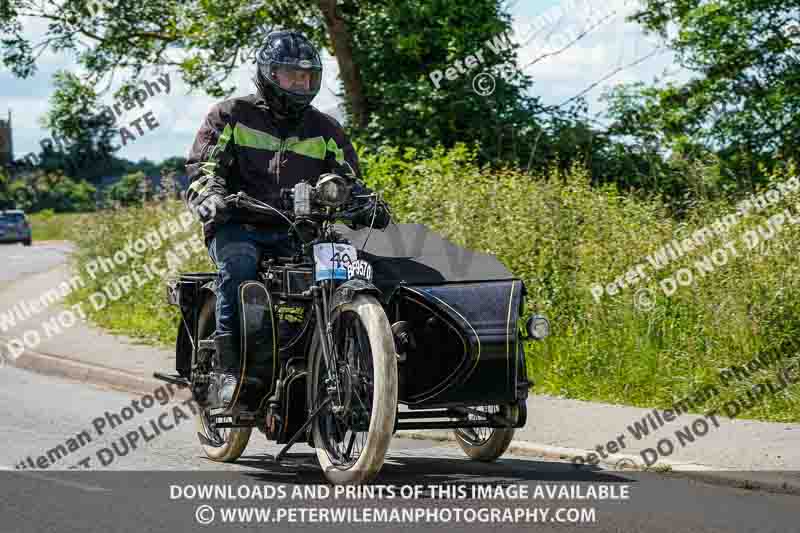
(213, 210)
(358, 188)
(364, 218)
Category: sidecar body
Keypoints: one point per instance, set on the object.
(456, 316)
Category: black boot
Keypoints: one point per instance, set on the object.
(228, 353)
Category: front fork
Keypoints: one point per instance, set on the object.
(325, 332)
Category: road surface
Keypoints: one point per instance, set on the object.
(132, 492)
(18, 261)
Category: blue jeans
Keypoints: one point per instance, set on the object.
(236, 250)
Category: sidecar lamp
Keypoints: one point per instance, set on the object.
(302, 199)
(538, 327)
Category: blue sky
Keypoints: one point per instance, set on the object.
(530, 8)
(609, 47)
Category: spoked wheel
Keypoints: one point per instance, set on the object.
(353, 431)
(487, 444)
(228, 444)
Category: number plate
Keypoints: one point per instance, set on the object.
(359, 269)
(331, 260)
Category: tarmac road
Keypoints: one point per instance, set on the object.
(17, 261)
(37, 413)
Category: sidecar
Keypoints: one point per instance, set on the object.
(456, 320)
(456, 317)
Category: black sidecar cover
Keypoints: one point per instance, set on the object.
(463, 308)
(416, 255)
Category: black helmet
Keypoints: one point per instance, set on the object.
(289, 72)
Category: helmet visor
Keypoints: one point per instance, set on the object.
(295, 79)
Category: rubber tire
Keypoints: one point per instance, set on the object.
(497, 443)
(384, 396)
(237, 437)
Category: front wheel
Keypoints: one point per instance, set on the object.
(353, 431)
(487, 444)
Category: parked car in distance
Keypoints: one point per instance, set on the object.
(14, 227)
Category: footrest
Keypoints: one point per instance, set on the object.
(219, 412)
(175, 379)
(207, 344)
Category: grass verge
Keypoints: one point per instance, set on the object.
(49, 226)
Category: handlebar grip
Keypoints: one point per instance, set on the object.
(232, 200)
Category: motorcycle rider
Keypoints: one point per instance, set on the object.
(258, 144)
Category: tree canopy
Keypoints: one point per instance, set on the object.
(385, 50)
(735, 117)
(742, 100)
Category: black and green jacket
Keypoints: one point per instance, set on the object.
(241, 147)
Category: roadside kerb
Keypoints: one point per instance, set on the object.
(57, 365)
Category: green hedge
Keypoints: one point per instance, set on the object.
(142, 311)
(562, 237)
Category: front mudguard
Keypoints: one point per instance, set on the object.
(348, 290)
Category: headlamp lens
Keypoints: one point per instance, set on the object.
(332, 190)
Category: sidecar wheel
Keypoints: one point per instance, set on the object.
(484, 444)
(233, 440)
(364, 338)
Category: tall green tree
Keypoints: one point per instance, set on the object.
(83, 138)
(6, 201)
(385, 51)
(421, 60)
(742, 102)
(406, 47)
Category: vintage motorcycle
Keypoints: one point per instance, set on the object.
(343, 346)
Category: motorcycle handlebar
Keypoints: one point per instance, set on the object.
(242, 200)
(263, 211)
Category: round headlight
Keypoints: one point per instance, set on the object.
(538, 327)
(332, 190)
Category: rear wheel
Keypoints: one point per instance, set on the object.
(487, 444)
(353, 431)
(231, 441)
